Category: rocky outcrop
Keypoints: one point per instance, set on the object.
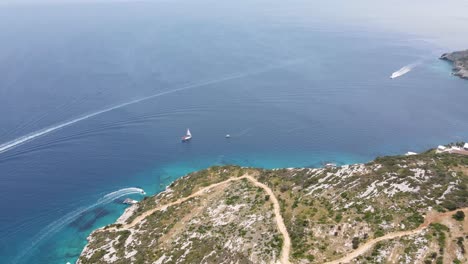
(459, 60)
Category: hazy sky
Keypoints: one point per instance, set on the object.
(444, 23)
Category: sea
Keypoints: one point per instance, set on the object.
(95, 96)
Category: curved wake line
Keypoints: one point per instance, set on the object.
(57, 225)
(404, 70)
(23, 139)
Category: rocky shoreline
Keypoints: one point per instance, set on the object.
(459, 59)
(217, 215)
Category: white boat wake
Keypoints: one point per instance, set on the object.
(57, 225)
(404, 70)
(23, 139)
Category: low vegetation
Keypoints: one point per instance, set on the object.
(328, 212)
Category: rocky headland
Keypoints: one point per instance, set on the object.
(398, 209)
(459, 60)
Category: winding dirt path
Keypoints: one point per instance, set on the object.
(431, 218)
(163, 207)
(286, 248)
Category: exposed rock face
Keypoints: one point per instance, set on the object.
(460, 62)
(328, 212)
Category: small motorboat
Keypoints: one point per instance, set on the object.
(227, 136)
(129, 201)
(187, 136)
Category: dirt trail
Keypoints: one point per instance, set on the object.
(179, 201)
(286, 248)
(431, 218)
(279, 220)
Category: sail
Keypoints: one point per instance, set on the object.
(188, 133)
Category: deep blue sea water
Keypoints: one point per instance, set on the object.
(290, 89)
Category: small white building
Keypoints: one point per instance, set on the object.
(440, 147)
(465, 146)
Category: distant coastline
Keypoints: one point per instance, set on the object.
(459, 59)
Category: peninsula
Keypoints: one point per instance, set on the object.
(459, 60)
(395, 209)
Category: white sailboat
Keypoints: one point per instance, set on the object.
(187, 136)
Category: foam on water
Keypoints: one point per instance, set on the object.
(404, 70)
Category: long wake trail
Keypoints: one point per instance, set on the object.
(24, 139)
(57, 225)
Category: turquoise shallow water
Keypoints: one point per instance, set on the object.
(64, 244)
(72, 238)
(293, 90)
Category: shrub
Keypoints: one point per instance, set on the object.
(416, 218)
(460, 244)
(459, 216)
(449, 205)
(123, 236)
(338, 217)
(439, 227)
(355, 242)
(284, 188)
(97, 256)
(296, 202)
(232, 200)
(378, 233)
